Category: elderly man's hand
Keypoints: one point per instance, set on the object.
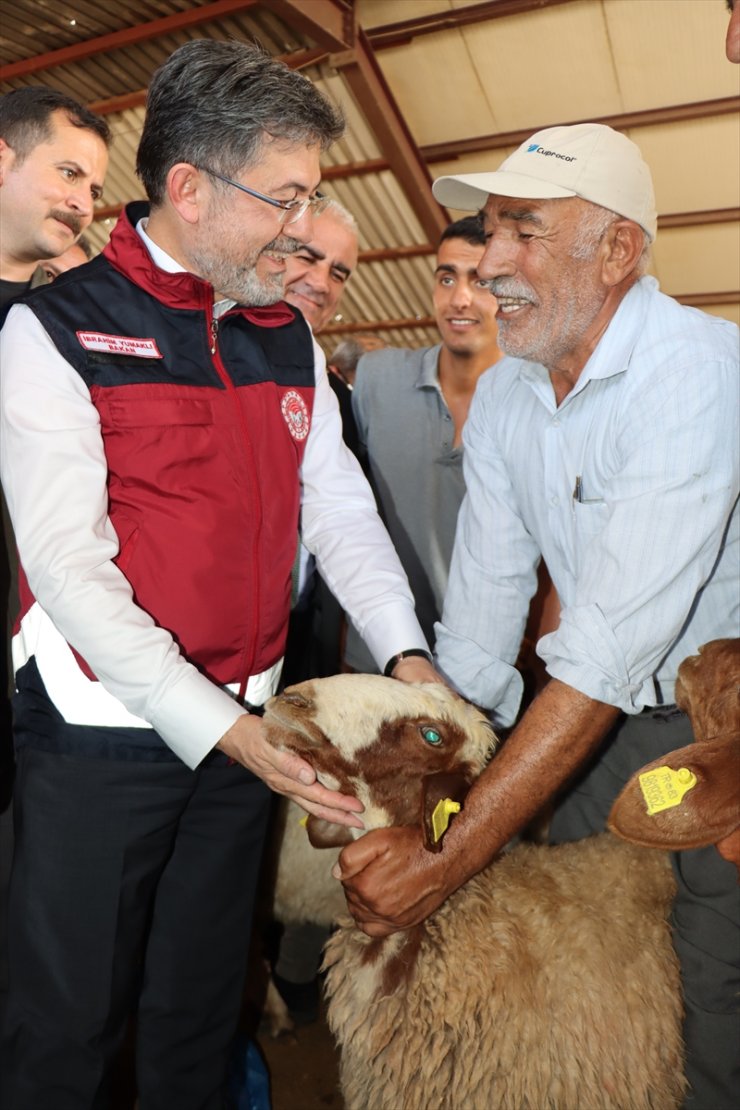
(415, 668)
(286, 773)
(392, 882)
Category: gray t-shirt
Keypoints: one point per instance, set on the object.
(408, 432)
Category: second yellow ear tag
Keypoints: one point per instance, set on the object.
(663, 787)
(443, 810)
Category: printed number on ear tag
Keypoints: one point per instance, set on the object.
(664, 788)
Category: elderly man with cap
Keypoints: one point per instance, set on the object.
(607, 444)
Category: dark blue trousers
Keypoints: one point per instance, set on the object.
(131, 891)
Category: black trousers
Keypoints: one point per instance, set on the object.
(132, 890)
(706, 911)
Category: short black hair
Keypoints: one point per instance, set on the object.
(212, 104)
(25, 118)
(469, 228)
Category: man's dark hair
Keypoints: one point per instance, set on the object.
(469, 228)
(212, 104)
(25, 118)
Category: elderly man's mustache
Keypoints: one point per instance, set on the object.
(508, 288)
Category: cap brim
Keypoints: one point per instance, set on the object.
(469, 192)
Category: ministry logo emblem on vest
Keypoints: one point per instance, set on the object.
(295, 414)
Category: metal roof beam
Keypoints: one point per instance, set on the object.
(397, 34)
(379, 325)
(674, 113)
(126, 37)
(330, 23)
(366, 82)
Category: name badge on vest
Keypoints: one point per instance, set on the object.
(127, 345)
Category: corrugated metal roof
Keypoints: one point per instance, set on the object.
(547, 62)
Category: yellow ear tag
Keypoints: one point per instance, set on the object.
(664, 788)
(303, 820)
(443, 810)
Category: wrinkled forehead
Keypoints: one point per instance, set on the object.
(459, 255)
(333, 239)
(543, 213)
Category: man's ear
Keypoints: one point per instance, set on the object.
(186, 189)
(624, 243)
(6, 157)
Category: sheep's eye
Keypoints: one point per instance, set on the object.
(431, 735)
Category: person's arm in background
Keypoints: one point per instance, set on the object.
(340, 525)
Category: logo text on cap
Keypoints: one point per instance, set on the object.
(534, 149)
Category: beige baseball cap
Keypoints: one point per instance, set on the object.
(587, 160)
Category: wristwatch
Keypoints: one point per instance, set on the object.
(395, 659)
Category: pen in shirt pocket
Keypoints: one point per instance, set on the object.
(578, 494)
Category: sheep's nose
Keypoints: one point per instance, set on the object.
(296, 699)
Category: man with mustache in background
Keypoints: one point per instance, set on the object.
(165, 417)
(53, 159)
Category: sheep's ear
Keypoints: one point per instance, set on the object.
(434, 790)
(664, 810)
(325, 834)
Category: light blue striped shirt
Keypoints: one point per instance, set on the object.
(644, 560)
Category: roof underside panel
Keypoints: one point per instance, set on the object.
(541, 63)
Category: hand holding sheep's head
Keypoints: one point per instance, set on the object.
(399, 748)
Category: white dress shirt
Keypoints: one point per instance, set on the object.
(625, 489)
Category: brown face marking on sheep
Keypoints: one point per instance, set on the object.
(288, 723)
(401, 745)
(377, 757)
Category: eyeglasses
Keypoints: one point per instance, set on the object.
(292, 209)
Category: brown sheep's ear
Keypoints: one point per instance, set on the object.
(435, 789)
(325, 834)
(707, 812)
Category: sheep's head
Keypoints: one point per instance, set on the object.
(653, 809)
(708, 689)
(398, 747)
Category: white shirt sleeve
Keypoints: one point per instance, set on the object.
(54, 471)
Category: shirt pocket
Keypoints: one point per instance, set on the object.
(157, 412)
(590, 518)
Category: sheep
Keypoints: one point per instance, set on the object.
(708, 690)
(301, 887)
(548, 980)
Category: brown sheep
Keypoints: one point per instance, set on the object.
(547, 981)
(708, 690)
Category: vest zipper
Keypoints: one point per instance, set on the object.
(226, 379)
